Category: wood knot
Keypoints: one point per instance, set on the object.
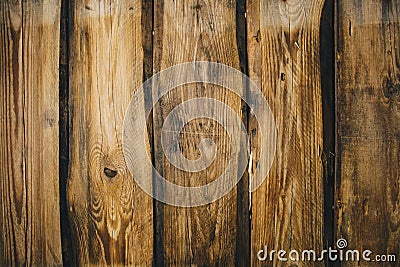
(390, 89)
(197, 7)
(110, 173)
(254, 132)
(89, 8)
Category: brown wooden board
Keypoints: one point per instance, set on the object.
(195, 31)
(283, 56)
(368, 103)
(112, 218)
(29, 198)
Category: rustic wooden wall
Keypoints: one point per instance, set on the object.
(329, 69)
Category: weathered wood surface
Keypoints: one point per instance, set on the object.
(283, 56)
(368, 104)
(29, 201)
(109, 47)
(202, 31)
(112, 219)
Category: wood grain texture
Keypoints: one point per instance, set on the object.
(29, 188)
(111, 216)
(283, 56)
(195, 31)
(368, 107)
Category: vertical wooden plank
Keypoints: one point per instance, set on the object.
(195, 31)
(368, 104)
(30, 217)
(283, 50)
(111, 217)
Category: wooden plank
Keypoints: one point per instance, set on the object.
(195, 31)
(368, 86)
(30, 213)
(283, 55)
(111, 216)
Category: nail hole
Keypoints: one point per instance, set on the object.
(258, 36)
(283, 77)
(350, 29)
(110, 173)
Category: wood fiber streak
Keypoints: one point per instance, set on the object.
(111, 216)
(195, 31)
(283, 56)
(29, 188)
(368, 107)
